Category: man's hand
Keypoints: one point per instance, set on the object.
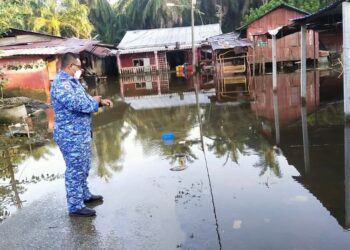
(98, 98)
(106, 102)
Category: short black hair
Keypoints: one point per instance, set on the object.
(67, 59)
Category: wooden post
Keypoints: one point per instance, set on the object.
(121, 84)
(119, 64)
(156, 59)
(346, 59)
(314, 40)
(254, 56)
(158, 85)
(303, 65)
(263, 65)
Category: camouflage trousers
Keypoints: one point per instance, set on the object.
(76, 152)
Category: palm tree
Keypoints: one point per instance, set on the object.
(69, 19)
(109, 25)
(268, 161)
(14, 14)
(152, 13)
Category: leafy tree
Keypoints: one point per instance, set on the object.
(15, 14)
(81, 17)
(308, 6)
(152, 13)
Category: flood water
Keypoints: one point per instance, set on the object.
(247, 169)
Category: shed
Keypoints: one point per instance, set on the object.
(327, 22)
(288, 47)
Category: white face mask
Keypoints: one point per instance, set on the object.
(77, 74)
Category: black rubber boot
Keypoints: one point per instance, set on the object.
(84, 212)
(94, 198)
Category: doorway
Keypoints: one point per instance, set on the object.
(175, 58)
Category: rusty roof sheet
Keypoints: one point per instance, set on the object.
(228, 41)
(100, 51)
(53, 47)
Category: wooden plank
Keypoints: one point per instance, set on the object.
(235, 80)
(235, 69)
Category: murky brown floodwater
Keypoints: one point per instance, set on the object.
(258, 171)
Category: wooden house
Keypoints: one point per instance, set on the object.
(153, 50)
(288, 48)
(31, 60)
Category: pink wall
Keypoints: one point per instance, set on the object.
(25, 79)
(127, 59)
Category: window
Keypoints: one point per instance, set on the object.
(138, 62)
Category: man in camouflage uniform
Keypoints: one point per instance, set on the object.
(72, 132)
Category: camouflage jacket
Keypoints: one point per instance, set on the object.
(72, 106)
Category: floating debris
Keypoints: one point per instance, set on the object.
(181, 160)
(19, 129)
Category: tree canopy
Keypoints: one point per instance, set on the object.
(98, 18)
(308, 6)
(67, 17)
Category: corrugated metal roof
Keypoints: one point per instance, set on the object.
(100, 51)
(167, 100)
(228, 41)
(319, 20)
(150, 49)
(31, 51)
(166, 38)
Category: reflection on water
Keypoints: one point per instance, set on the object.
(277, 167)
(17, 178)
(305, 139)
(347, 175)
(288, 95)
